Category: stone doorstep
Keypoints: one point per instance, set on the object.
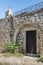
(32, 55)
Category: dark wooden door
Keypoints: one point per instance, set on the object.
(31, 42)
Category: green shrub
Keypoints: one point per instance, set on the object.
(10, 47)
(13, 47)
(41, 59)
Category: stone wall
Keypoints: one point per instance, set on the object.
(4, 32)
(16, 28)
(30, 22)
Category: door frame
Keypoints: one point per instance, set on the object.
(37, 40)
(33, 32)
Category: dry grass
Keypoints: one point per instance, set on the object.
(11, 54)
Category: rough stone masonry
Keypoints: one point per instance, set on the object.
(13, 28)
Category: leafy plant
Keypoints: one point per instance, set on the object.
(13, 47)
(41, 59)
(10, 47)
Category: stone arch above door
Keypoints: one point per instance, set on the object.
(21, 29)
(22, 26)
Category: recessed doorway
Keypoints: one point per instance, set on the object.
(31, 42)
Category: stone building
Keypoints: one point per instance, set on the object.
(26, 27)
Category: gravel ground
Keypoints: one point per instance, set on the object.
(26, 60)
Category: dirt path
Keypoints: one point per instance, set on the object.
(26, 60)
